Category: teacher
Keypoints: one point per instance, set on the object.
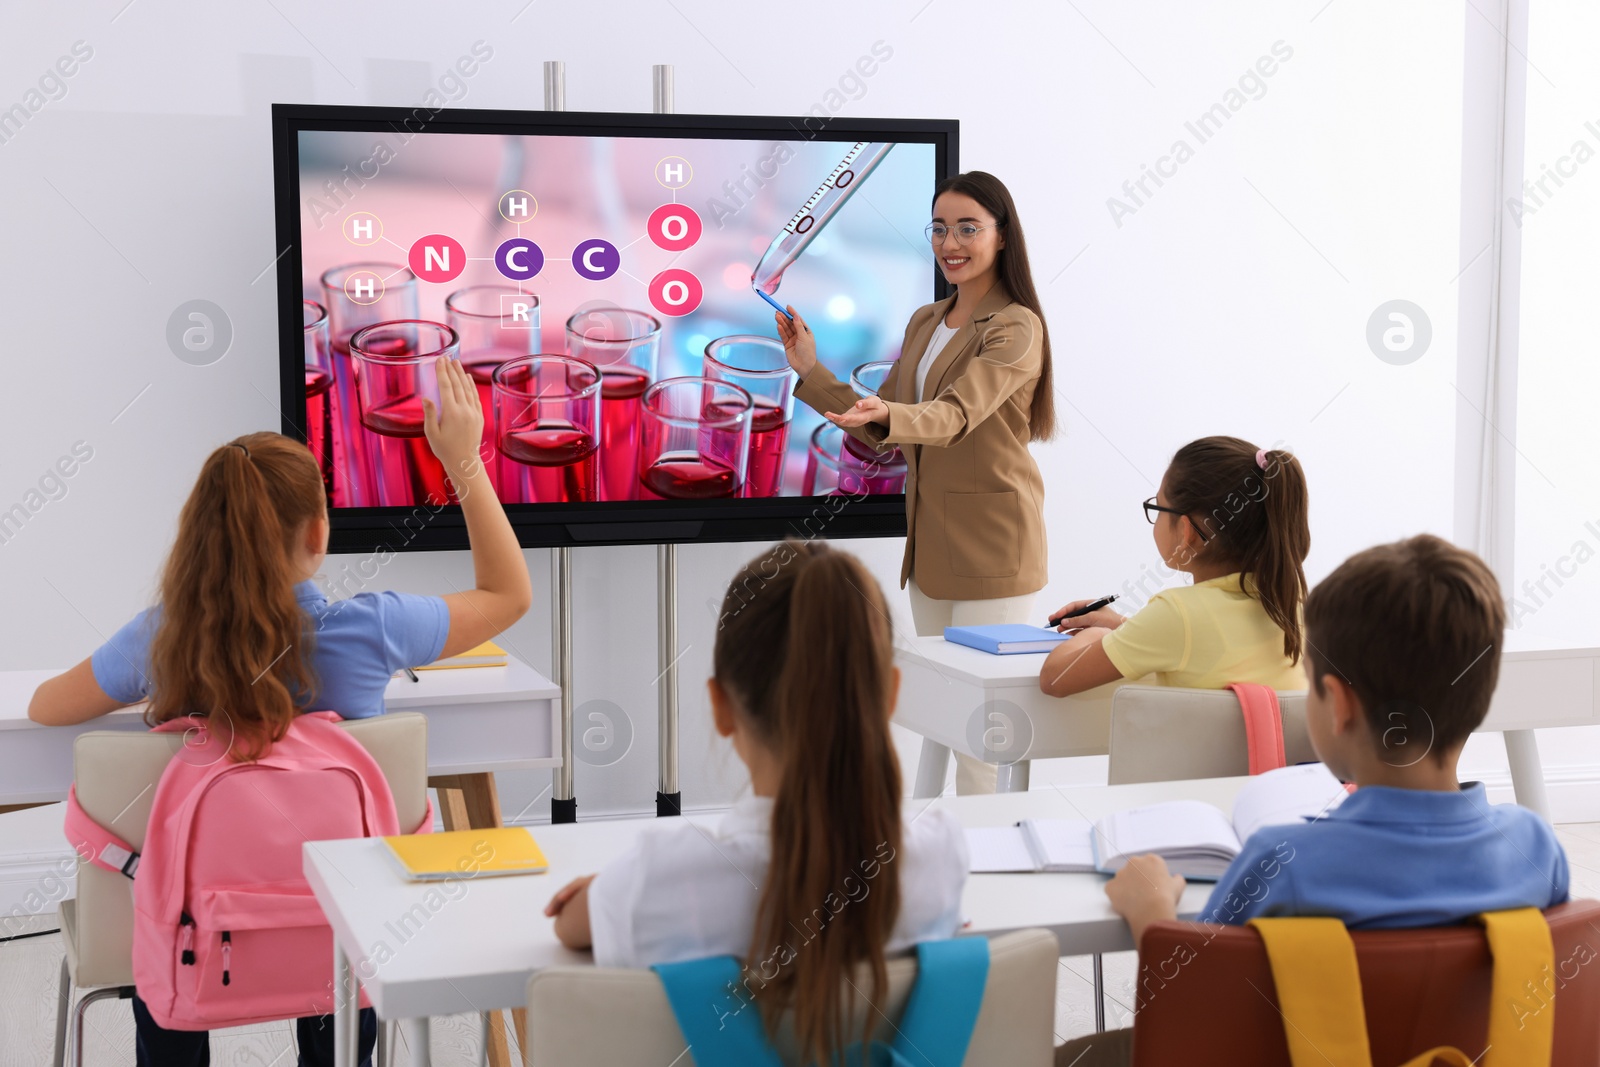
(971, 389)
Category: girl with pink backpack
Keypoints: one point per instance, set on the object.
(244, 640)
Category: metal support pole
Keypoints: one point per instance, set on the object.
(563, 804)
(669, 800)
(555, 85)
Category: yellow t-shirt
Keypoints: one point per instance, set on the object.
(1204, 636)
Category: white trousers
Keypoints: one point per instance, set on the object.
(930, 617)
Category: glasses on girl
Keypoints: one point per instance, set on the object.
(964, 231)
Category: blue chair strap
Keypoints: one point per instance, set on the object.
(943, 1007)
(716, 1013)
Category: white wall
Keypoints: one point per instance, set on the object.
(1234, 298)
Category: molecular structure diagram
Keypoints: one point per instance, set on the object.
(440, 258)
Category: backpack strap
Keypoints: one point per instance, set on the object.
(1263, 725)
(936, 1027)
(94, 843)
(717, 1015)
(1319, 992)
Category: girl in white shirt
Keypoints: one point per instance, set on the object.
(816, 871)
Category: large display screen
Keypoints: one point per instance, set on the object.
(610, 282)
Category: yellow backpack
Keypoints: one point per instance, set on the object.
(1319, 993)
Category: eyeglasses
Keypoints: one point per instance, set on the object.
(1152, 511)
(964, 231)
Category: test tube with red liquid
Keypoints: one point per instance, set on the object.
(625, 345)
(822, 461)
(759, 367)
(395, 370)
(358, 295)
(696, 440)
(862, 468)
(547, 429)
(496, 323)
(319, 390)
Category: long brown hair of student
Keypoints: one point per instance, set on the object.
(822, 705)
(1250, 508)
(233, 642)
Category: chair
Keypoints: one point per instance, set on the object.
(1205, 993)
(573, 1011)
(1162, 734)
(116, 774)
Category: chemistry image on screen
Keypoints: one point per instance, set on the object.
(612, 298)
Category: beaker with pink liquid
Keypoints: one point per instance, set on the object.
(624, 345)
(547, 429)
(357, 295)
(396, 370)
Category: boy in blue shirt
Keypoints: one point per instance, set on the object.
(1403, 651)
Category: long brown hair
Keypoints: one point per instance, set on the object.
(1253, 516)
(805, 654)
(233, 641)
(1017, 278)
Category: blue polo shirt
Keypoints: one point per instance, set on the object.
(1389, 858)
(359, 643)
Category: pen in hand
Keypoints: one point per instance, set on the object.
(1056, 620)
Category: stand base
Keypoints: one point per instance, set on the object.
(668, 804)
(564, 810)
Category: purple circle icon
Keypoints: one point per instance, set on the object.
(519, 259)
(596, 260)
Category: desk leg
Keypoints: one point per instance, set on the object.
(932, 767)
(346, 1009)
(1099, 994)
(471, 802)
(421, 1041)
(1011, 777)
(1527, 774)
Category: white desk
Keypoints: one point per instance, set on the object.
(951, 694)
(479, 719)
(419, 951)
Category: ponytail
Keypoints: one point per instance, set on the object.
(1252, 508)
(805, 652)
(233, 641)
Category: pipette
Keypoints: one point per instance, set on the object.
(814, 214)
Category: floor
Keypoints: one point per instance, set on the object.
(29, 967)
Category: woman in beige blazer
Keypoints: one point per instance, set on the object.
(971, 389)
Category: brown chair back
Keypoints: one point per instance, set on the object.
(1205, 993)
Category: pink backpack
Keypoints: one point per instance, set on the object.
(226, 931)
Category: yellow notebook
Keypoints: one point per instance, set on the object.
(467, 854)
(487, 654)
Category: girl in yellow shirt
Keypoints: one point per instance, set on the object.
(1234, 517)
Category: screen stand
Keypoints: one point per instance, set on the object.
(669, 800)
(563, 805)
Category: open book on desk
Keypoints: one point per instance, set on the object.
(1198, 840)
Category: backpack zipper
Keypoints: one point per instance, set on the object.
(187, 942)
(227, 953)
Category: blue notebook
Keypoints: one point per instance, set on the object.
(1007, 639)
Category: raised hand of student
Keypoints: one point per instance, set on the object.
(1144, 891)
(455, 428)
(799, 344)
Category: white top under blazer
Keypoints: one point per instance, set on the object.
(941, 337)
(686, 892)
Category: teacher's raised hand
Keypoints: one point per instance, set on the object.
(867, 409)
(799, 344)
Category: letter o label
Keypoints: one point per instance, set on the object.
(675, 292)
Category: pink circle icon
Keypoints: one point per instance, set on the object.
(437, 258)
(675, 292)
(674, 227)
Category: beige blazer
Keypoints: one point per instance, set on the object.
(974, 497)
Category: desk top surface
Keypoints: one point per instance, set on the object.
(426, 943)
(461, 685)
